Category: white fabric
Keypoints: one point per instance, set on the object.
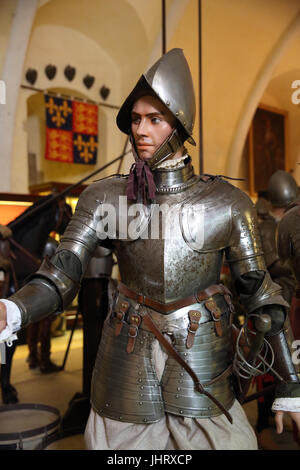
(172, 433)
(13, 322)
(173, 163)
(286, 404)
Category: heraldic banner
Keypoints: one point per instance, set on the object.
(71, 131)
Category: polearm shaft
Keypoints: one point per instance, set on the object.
(263, 392)
(35, 210)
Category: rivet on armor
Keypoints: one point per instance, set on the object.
(145, 420)
(178, 388)
(140, 380)
(168, 103)
(140, 402)
(120, 417)
(106, 404)
(176, 396)
(181, 412)
(142, 387)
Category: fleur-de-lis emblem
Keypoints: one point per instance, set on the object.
(59, 113)
(86, 149)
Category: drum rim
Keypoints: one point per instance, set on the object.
(65, 433)
(30, 432)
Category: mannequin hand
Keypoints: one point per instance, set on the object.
(279, 421)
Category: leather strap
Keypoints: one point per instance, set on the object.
(194, 317)
(121, 309)
(134, 323)
(216, 314)
(172, 351)
(170, 307)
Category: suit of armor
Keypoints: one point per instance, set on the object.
(166, 271)
(289, 251)
(170, 273)
(280, 271)
(289, 239)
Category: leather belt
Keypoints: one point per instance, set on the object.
(170, 307)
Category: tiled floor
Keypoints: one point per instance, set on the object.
(59, 388)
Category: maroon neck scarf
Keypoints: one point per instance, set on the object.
(141, 183)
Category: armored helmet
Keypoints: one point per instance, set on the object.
(282, 189)
(170, 80)
(262, 206)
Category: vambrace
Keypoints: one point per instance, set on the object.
(283, 347)
(49, 290)
(36, 300)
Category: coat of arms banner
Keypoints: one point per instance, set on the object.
(71, 131)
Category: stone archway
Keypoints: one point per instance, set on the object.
(12, 75)
(236, 149)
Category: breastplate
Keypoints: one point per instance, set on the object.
(166, 270)
(167, 267)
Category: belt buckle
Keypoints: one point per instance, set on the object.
(215, 318)
(211, 305)
(133, 327)
(134, 323)
(194, 317)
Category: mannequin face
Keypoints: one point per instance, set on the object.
(151, 124)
